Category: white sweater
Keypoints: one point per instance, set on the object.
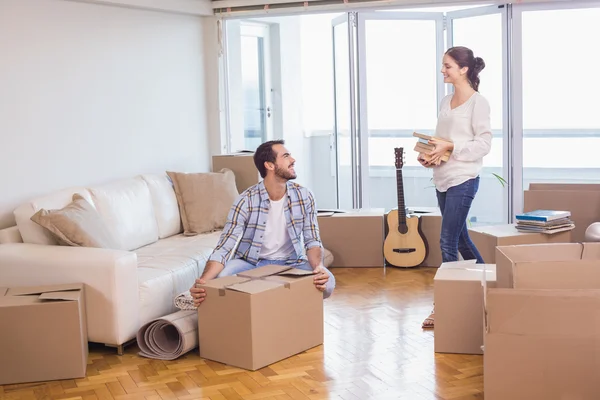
(468, 127)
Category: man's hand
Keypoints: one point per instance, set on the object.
(441, 147)
(321, 278)
(198, 294)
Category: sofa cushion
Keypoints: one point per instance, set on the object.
(169, 267)
(34, 233)
(165, 205)
(155, 294)
(126, 207)
(204, 199)
(176, 251)
(76, 224)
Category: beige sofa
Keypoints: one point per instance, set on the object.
(124, 288)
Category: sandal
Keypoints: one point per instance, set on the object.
(428, 323)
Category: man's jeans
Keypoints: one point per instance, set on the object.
(237, 265)
(455, 205)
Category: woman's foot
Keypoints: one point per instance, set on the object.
(428, 323)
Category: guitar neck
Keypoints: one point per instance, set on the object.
(401, 206)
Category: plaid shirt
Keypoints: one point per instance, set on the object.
(247, 220)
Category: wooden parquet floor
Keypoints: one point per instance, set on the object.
(374, 349)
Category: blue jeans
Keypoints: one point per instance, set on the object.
(455, 204)
(237, 265)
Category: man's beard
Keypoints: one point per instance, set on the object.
(284, 173)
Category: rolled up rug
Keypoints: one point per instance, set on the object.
(169, 337)
(184, 301)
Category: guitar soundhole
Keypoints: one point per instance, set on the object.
(402, 228)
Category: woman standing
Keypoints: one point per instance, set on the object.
(464, 121)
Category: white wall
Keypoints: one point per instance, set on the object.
(91, 93)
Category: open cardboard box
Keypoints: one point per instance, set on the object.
(458, 296)
(44, 333)
(259, 317)
(542, 337)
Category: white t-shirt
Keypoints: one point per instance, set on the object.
(468, 126)
(277, 244)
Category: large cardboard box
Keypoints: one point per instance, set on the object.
(542, 337)
(355, 238)
(582, 200)
(259, 317)
(547, 261)
(458, 296)
(44, 333)
(242, 165)
(486, 238)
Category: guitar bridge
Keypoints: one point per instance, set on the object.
(407, 250)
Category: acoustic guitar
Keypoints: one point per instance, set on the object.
(404, 245)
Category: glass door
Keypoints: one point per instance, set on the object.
(484, 30)
(400, 88)
(344, 147)
(556, 125)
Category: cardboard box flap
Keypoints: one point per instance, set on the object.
(71, 295)
(591, 251)
(542, 252)
(543, 312)
(220, 283)
(464, 274)
(267, 270)
(254, 286)
(578, 274)
(33, 290)
(458, 264)
(296, 272)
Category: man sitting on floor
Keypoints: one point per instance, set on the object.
(274, 218)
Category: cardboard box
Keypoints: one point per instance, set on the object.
(582, 200)
(355, 238)
(486, 238)
(242, 165)
(459, 313)
(44, 333)
(542, 338)
(259, 317)
(534, 261)
(431, 226)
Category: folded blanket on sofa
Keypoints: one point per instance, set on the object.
(169, 337)
(184, 301)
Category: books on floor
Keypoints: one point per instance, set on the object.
(545, 221)
(423, 146)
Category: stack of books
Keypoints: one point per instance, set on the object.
(424, 147)
(544, 221)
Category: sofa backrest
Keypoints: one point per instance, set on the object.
(126, 208)
(166, 208)
(138, 211)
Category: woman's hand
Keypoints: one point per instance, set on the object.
(441, 147)
(423, 162)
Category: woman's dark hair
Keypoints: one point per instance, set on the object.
(464, 58)
(265, 153)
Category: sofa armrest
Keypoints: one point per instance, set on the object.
(10, 235)
(110, 278)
